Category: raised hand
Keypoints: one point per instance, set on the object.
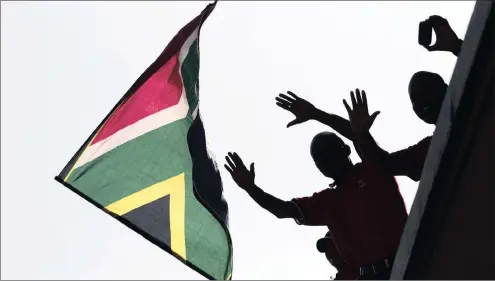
(243, 177)
(361, 120)
(302, 109)
(447, 40)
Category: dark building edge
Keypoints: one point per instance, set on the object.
(431, 201)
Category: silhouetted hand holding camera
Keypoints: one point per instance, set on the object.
(243, 177)
(361, 120)
(446, 41)
(302, 109)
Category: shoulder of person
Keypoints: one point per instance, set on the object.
(375, 170)
(426, 141)
(422, 144)
(325, 192)
(364, 166)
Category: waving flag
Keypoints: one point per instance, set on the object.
(148, 166)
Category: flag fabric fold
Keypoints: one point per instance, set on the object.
(147, 163)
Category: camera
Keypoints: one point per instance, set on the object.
(425, 33)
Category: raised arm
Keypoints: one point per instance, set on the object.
(304, 111)
(339, 124)
(407, 162)
(245, 180)
(361, 122)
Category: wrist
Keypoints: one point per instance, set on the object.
(250, 188)
(359, 133)
(317, 114)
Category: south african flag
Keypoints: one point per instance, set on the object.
(148, 166)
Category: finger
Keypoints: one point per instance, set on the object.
(229, 161)
(286, 102)
(353, 100)
(437, 20)
(365, 100)
(358, 97)
(347, 107)
(238, 160)
(294, 122)
(251, 168)
(432, 48)
(228, 169)
(284, 96)
(292, 94)
(374, 115)
(284, 106)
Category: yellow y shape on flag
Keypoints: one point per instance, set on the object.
(175, 187)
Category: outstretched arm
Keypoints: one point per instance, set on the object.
(245, 180)
(337, 123)
(366, 147)
(312, 210)
(304, 111)
(343, 127)
(407, 162)
(279, 208)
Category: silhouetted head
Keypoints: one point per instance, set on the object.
(327, 246)
(427, 91)
(331, 154)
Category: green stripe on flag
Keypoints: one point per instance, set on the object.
(137, 164)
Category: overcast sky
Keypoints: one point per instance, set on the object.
(65, 64)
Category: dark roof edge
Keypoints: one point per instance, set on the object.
(441, 136)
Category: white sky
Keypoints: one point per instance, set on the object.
(65, 65)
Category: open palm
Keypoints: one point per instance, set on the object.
(361, 120)
(302, 109)
(243, 177)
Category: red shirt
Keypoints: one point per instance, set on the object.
(365, 214)
(409, 162)
(347, 275)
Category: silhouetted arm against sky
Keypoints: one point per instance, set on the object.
(398, 163)
(361, 122)
(245, 180)
(343, 127)
(279, 208)
(407, 162)
(339, 124)
(304, 111)
(446, 39)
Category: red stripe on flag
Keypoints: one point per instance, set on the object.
(157, 95)
(162, 90)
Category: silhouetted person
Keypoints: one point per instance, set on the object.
(364, 211)
(426, 90)
(326, 246)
